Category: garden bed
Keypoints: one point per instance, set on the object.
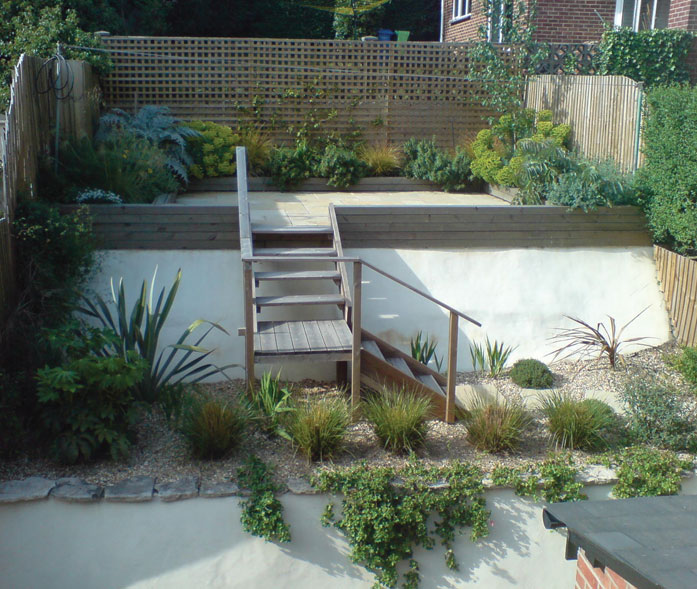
(161, 453)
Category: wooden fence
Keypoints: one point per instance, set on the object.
(678, 278)
(28, 134)
(388, 91)
(604, 113)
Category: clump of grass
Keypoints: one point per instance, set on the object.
(399, 418)
(319, 427)
(212, 427)
(531, 374)
(259, 146)
(577, 424)
(495, 426)
(382, 159)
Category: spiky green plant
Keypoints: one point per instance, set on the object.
(423, 349)
(272, 403)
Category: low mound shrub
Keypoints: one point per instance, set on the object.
(495, 426)
(531, 374)
(290, 166)
(577, 424)
(399, 418)
(341, 167)
(319, 427)
(212, 428)
(424, 160)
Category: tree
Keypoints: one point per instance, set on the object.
(353, 18)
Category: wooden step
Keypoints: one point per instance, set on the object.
(302, 340)
(300, 275)
(371, 347)
(430, 382)
(401, 365)
(292, 230)
(292, 300)
(295, 251)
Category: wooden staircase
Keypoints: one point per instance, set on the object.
(299, 306)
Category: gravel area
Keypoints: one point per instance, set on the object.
(161, 453)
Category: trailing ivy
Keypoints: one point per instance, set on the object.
(553, 480)
(262, 512)
(654, 57)
(386, 513)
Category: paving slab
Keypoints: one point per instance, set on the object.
(29, 489)
(74, 490)
(134, 490)
(214, 490)
(184, 488)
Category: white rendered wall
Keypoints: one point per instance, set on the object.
(199, 543)
(520, 296)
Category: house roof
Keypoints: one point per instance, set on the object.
(650, 541)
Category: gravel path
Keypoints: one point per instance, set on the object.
(162, 453)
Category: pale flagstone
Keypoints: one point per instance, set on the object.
(134, 490)
(184, 488)
(214, 490)
(300, 486)
(74, 490)
(29, 489)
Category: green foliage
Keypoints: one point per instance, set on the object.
(478, 357)
(553, 480)
(655, 57)
(35, 30)
(124, 164)
(289, 167)
(657, 415)
(493, 356)
(318, 427)
(212, 427)
(213, 150)
(140, 330)
(272, 404)
(647, 472)
(425, 161)
(384, 520)
(97, 196)
(398, 417)
(495, 426)
(14, 415)
(686, 363)
(86, 403)
(668, 178)
(262, 512)
(574, 424)
(158, 127)
(424, 350)
(354, 19)
(382, 159)
(531, 374)
(341, 166)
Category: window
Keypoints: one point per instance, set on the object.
(500, 21)
(641, 15)
(461, 8)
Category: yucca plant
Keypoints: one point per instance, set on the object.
(423, 349)
(140, 331)
(577, 424)
(319, 427)
(478, 357)
(272, 403)
(382, 159)
(586, 339)
(495, 426)
(399, 418)
(212, 427)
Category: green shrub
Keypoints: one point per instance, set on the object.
(342, 167)
(288, 167)
(647, 472)
(686, 364)
(15, 413)
(398, 417)
(668, 178)
(272, 404)
(655, 57)
(382, 159)
(124, 164)
(657, 415)
(212, 428)
(365, 21)
(318, 427)
(495, 426)
(425, 161)
(213, 151)
(576, 424)
(87, 402)
(531, 374)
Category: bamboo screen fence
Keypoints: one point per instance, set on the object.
(28, 134)
(678, 277)
(604, 113)
(388, 91)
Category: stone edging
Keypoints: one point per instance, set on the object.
(141, 489)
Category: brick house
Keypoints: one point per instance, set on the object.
(566, 21)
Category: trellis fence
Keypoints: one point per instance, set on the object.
(678, 278)
(605, 113)
(388, 91)
(29, 133)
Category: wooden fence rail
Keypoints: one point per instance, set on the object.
(678, 278)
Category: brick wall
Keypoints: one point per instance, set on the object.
(464, 30)
(683, 15)
(590, 577)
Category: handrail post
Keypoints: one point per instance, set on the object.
(248, 323)
(356, 344)
(452, 369)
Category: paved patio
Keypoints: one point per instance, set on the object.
(311, 208)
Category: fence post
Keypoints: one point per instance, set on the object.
(452, 369)
(356, 344)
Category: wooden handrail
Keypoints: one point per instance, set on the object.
(243, 204)
(341, 266)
